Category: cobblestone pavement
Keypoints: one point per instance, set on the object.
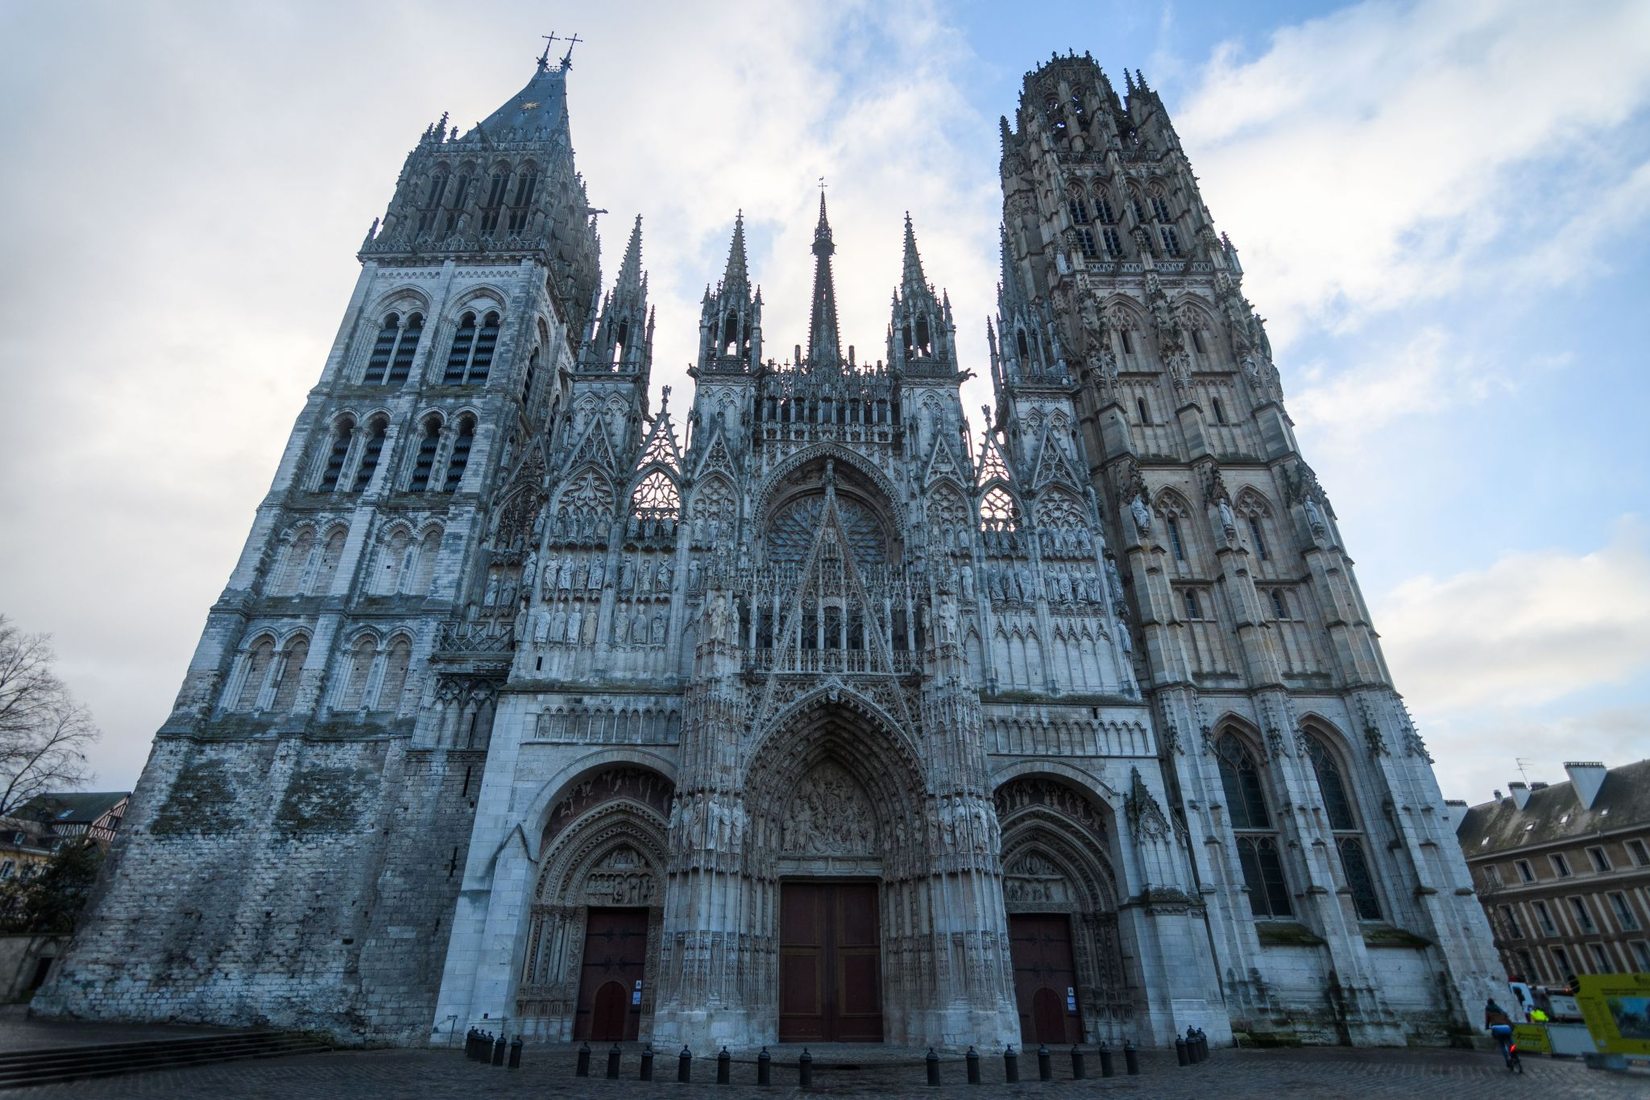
(548, 1072)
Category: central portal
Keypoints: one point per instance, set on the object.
(830, 963)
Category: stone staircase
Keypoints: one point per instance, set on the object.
(74, 1063)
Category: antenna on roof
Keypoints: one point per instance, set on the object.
(1519, 762)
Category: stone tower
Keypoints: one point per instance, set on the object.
(822, 719)
(296, 839)
(1317, 831)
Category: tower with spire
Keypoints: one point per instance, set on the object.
(823, 717)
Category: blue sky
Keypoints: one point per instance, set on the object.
(1443, 210)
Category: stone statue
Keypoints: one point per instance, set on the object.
(1314, 518)
(574, 623)
(1114, 582)
(667, 574)
(1142, 515)
(529, 573)
(1228, 522)
(598, 572)
(948, 618)
(968, 582)
(658, 628)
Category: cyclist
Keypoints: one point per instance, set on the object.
(1500, 1026)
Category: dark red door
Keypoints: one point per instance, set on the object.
(1044, 978)
(830, 963)
(615, 948)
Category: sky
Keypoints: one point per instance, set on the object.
(1442, 209)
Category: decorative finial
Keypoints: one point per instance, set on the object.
(567, 58)
(664, 399)
(822, 186)
(544, 58)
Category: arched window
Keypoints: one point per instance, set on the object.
(522, 207)
(331, 554)
(424, 462)
(997, 509)
(396, 661)
(527, 379)
(461, 195)
(371, 450)
(334, 469)
(405, 345)
(472, 351)
(432, 198)
(1343, 822)
(255, 672)
(1177, 545)
(292, 664)
(424, 572)
(1103, 210)
(461, 454)
(1161, 209)
(1257, 843)
(289, 577)
(1079, 210)
(1220, 410)
(354, 688)
(1144, 410)
(1280, 604)
(382, 349)
(494, 203)
(393, 559)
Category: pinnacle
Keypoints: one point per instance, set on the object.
(630, 270)
(736, 278)
(912, 281)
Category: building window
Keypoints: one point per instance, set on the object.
(405, 346)
(1079, 211)
(392, 353)
(1260, 539)
(1175, 543)
(1171, 240)
(527, 379)
(460, 456)
(1251, 821)
(1640, 854)
(1197, 346)
(1343, 821)
(495, 199)
(1544, 917)
(472, 351)
(1509, 920)
(1601, 961)
(1584, 918)
(1220, 411)
(369, 454)
(1194, 607)
(1113, 243)
(1600, 861)
(7, 868)
(1144, 410)
(1641, 952)
(1561, 959)
(1280, 606)
(1526, 873)
(1161, 209)
(1085, 241)
(334, 468)
(1492, 875)
(424, 463)
(1128, 344)
(1103, 210)
(526, 185)
(1625, 917)
(1561, 866)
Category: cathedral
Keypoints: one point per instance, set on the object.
(811, 712)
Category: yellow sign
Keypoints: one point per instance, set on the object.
(1617, 1010)
(1532, 1038)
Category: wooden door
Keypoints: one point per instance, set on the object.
(615, 951)
(830, 963)
(1044, 978)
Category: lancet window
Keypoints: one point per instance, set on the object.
(1343, 822)
(429, 441)
(522, 207)
(371, 450)
(460, 457)
(472, 352)
(1257, 840)
(342, 434)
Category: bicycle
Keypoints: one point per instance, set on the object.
(1509, 1047)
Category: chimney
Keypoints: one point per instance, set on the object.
(1498, 794)
(1586, 776)
(1520, 792)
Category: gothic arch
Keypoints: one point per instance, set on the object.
(478, 298)
(890, 503)
(402, 299)
(538, 811)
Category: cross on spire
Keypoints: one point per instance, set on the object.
(567, 59)
(544, 58)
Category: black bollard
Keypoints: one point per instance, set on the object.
(613, 1057)
(1076, 1064)
(470, 1044)
(933, 1061)
(973, 1066)
(1180, 1054)
(1106, 1068)
(583, 1069)
(515, 1053)
(1011, 1066)
(1045, 1064)
(724, 1066)
(1131, 1057)
(647, 1062)
(764, 1068)
(805, 1069)
(499, 1048)
(684, 1066)
(1202, 1045)
(1191, 1046)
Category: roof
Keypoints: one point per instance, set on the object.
(538, 110)
(71, 807)
(1554, 814)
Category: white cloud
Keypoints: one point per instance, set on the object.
(1529, 629)
(1361, 162)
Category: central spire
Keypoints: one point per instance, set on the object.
(824, 343)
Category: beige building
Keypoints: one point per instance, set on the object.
(1563, 870)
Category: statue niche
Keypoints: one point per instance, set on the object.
(829, 816)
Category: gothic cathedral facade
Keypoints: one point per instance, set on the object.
(823, 719)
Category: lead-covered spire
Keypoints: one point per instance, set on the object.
(824, 340)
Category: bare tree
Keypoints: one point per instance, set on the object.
(44, 730)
